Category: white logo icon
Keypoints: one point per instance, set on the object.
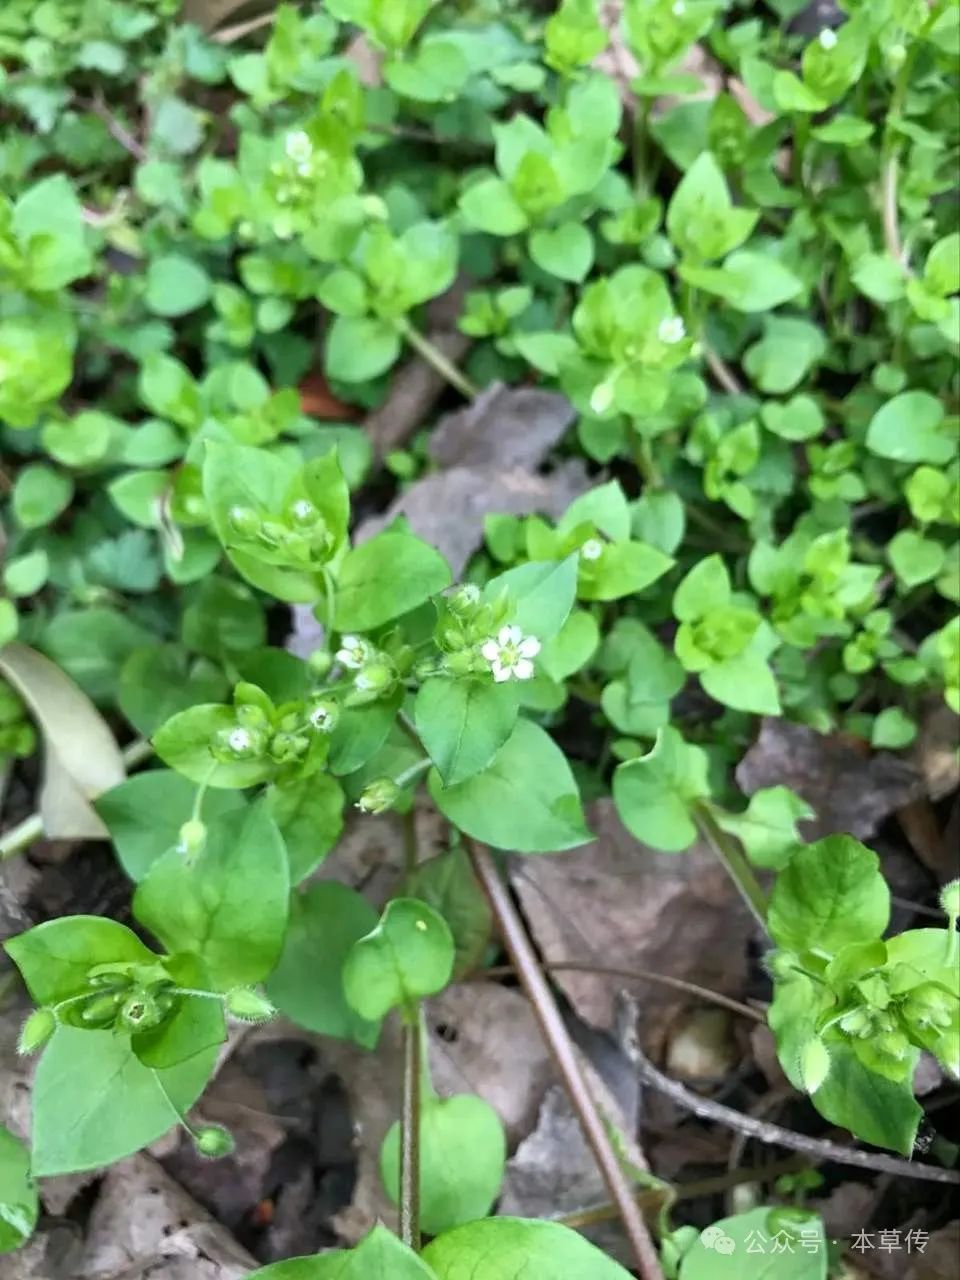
(716, 1239)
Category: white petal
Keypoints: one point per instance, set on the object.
(505, 635)
(523, 669)
(529, 647)
(500, 672)
(490, 650)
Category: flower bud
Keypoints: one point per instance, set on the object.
(602, 397)
(248, 1005)
(814, 1064)
(303, 514)
(36, 1031)
(324, 715)
(460, 664)
(101, 1011)
(193, 839)
(286, 748)
(465, 599)
(378, 796)
(374, 678)
(320, 661)
(213, 1142)
(244, 521)
(237, 744)
(896, 57)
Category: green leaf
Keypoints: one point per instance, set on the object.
(307, 983)
(489, 205)
(526, 800)
(309, 814)
(768, 1244)
(518, 1249)
(915, 559)
(359, 349)
(40, 495)
(19, 1201)
(571, 648)
(798, 419)
(744, 683)
(386, 577)
(750, 282)
(893, 729)
(941, 270)
(48, 221)
(701, 220)
(138, 496)
(55, 957)
(176, 285)
(655, 793)
(408, 955)
(91, 646)
(464, 723)
(622, 569)
(873, 1108)
(144, 815)
(184, 744)
(157, 681)
(361, 733)
(565, 251)
(543, 592)
(880, 277)
(907, 429)
(831, 894)
(94, 1102)
(705, 587)
(379, 1256)
(447, 883)
(229, 906)
(25, 575)
(463, 1152)
(768, 827)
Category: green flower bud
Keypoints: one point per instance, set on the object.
(101, 1011)
(287, 748)
(927, 1006)
(303, 514)
(193, 839)
(857, 1023)
(248, 1005)
(320, 661)
(814, 1064)
(602, 397)
(896, 57)
(375, 677)
(141, 1011)
(324, 715)
(213, 1142)
(460, 664)
(464, 600)
(252, 717)
(244, 521)
(378, 796)
(237, 744)
(36, 1031)
(950, 899)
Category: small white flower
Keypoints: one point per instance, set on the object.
(679, 8)
(305, 168)
(354, 651)
(510, 654)
(298, 146)
(672, 330)
(592, 549)
(239, 740)
(321, 718)
(827, 39)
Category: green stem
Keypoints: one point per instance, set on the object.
(734, 861)
(30, 830)
(435, 357)
(413, 772)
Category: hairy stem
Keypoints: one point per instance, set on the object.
(731, 856)
(435, 357)
(28, 831)
(555, 1033)
(410, 1132)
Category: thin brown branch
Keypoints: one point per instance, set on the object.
(721, 371)
(240, 29)
(116, 130)
(637, 975)
(820, 1149)
(555, 1033)
(891, 217)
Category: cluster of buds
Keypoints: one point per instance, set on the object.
(374, 671)
(298, 536)
(475, 638)
(120, 997)
(287, 734)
